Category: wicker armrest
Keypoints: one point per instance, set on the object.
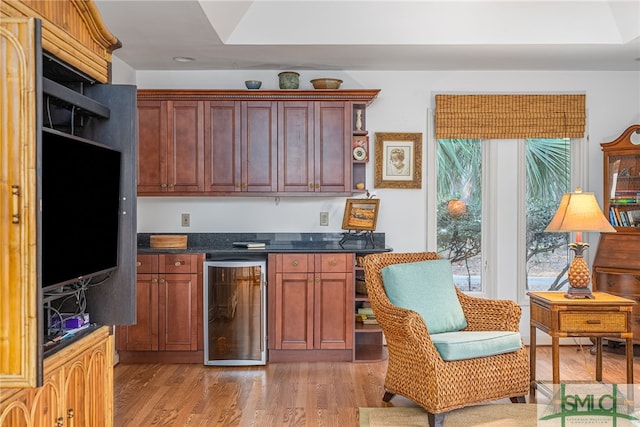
(485, 314)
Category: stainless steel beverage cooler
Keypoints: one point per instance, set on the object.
(235, 319)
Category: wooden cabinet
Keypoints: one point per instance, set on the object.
(18, 328)
(616, 267)
(169, 307)
(76, 391)
(170, 147)
(310, 306)
(314, 147)
(253, 143)
(368, 339)
(240, 146)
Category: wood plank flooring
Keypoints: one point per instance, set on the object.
(289, 394)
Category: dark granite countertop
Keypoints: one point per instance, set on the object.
(221, 244)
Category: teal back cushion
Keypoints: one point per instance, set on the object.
(426, 287)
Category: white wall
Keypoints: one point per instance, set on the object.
(613, 104)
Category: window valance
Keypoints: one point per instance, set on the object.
(510, 116)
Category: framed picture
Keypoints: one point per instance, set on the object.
(398, 160)
(360, 214)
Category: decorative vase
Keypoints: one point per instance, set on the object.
(358, 119)
(289, 80)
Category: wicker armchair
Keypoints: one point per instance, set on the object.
(416, 370)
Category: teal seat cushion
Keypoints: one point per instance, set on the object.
(426, 287)
(472, 344)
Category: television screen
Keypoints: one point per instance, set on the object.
(80, 208)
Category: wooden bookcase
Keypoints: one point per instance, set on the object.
(616, 267)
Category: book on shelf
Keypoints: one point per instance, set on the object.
(366, 319)
(367, 311)
(634, 217)
(250, 245)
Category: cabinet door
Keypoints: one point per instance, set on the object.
(152, 147)
(332, 147)
(333, 311)
(222, 164)
(177, 312)
(259, 146)
(170, 146)
(75, 394)
(295, 147)
(294, 311)
(144, 334)
(185, 151)
(18, 286)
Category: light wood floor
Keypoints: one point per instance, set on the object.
(289, 394)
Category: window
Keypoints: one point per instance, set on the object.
(548, 174)
(459, 204)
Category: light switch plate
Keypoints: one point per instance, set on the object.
(186, 220)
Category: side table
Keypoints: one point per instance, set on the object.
(604, 316)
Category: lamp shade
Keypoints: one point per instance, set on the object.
(579, 212)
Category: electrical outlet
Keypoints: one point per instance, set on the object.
(324, 218)
(186, 220)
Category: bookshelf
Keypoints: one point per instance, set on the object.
(368, 338)
(616, 266)
(622, 180)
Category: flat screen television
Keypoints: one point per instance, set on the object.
(79, 209)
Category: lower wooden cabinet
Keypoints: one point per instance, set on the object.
(168, 324)
(616, 270)
(310, 306)
(77, 389)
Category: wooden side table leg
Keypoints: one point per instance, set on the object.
(555, 358)
(598, 359)
(532, 360)
(629, 348)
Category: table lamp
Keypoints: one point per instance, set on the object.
(579, 212)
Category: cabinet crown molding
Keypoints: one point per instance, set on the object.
(357, 95)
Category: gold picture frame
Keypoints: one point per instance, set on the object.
(398, 160)
(360, 214)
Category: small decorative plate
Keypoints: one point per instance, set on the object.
(359, 153)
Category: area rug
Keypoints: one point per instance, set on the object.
(493, 415)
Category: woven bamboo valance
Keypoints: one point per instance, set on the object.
(510, 116)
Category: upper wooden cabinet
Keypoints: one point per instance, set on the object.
(72, 31)
(171, 147)
(254, 142)
(240, 146)
(314, 147)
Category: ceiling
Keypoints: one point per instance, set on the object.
(376, 34)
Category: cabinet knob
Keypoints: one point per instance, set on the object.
(163, 185)
(333, 263)
(295, 263)
(311, 186)
(60, 422)
(170, 185)
(610, 282)
(317, 279)
(138, 264)
(237, 185)
(154, 280)
(162, 281)
(177, 263)
(317, 185)
(70, 413)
